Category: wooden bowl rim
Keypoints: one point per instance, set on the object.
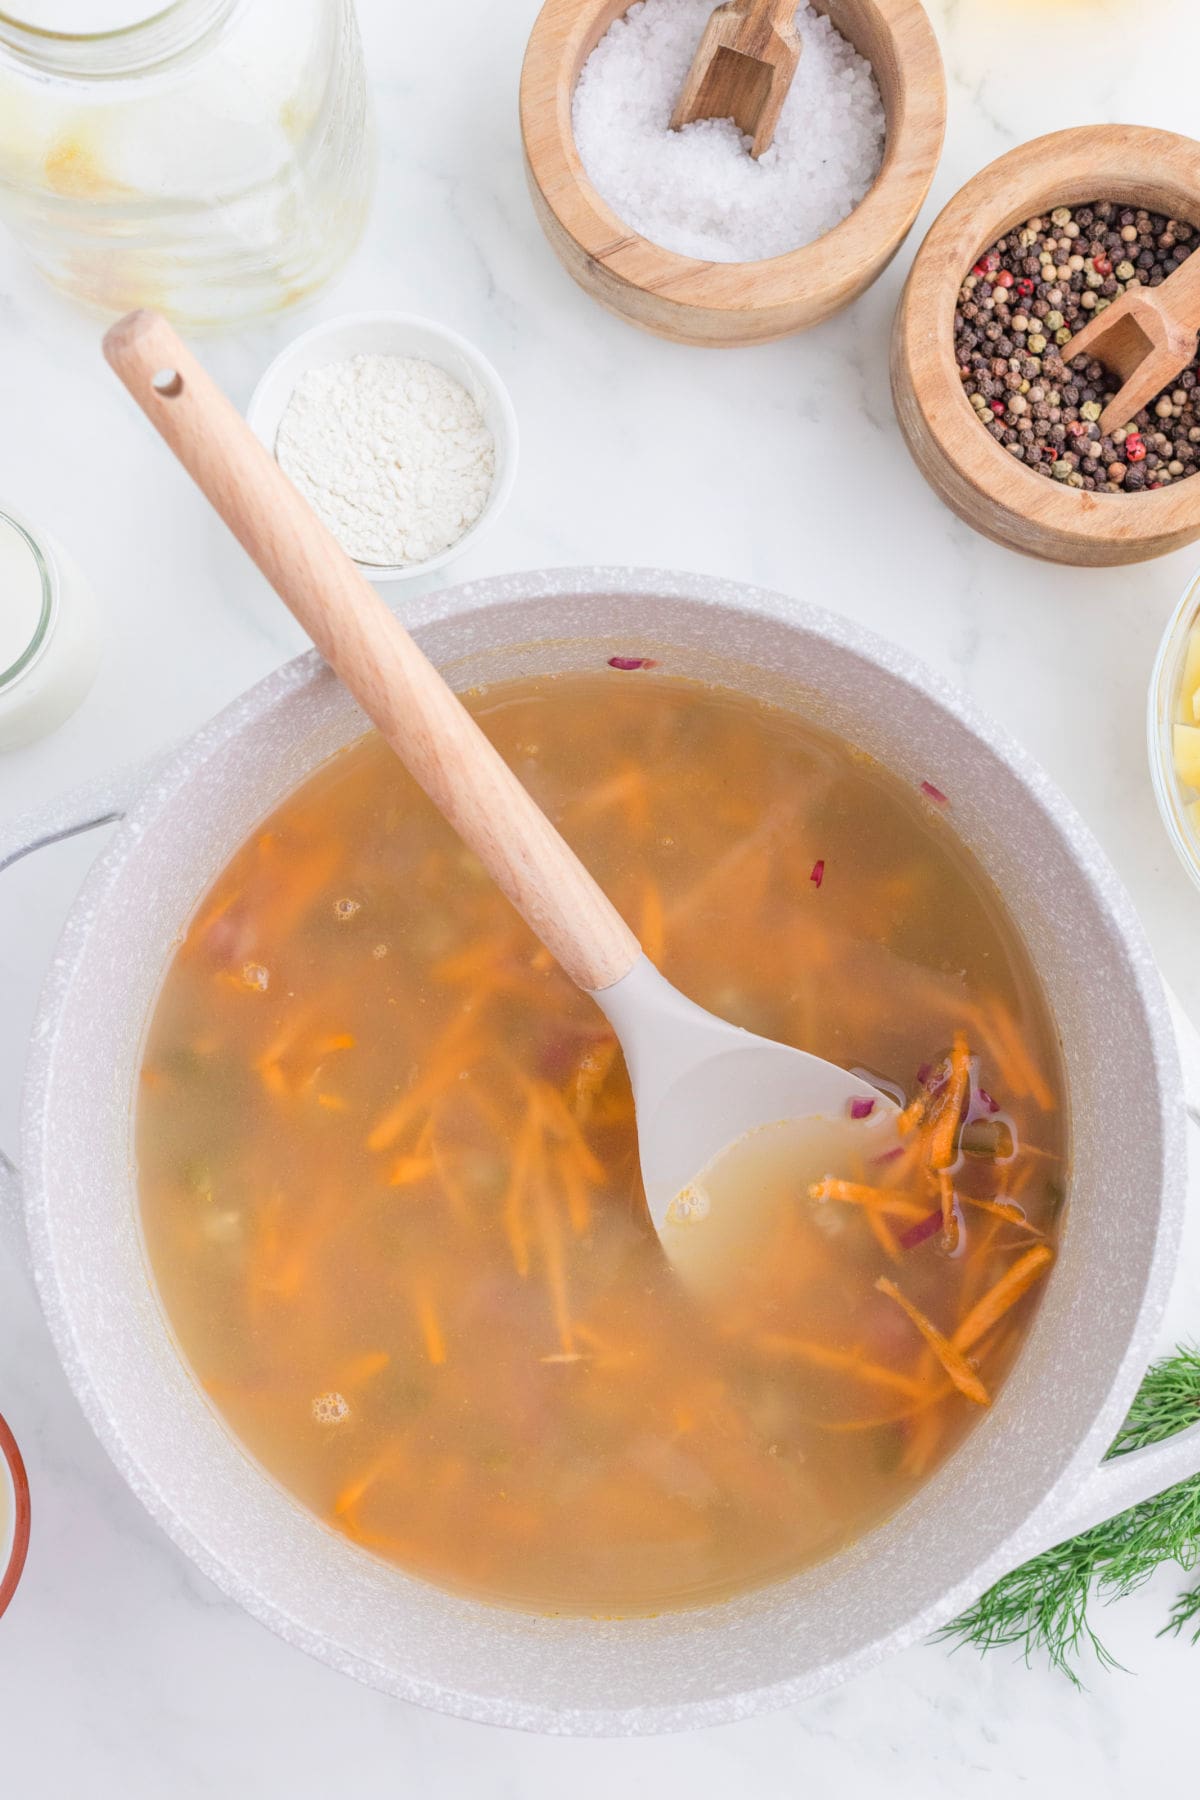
(897, 193)
(1019, 185)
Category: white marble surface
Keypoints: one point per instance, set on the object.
(122, 1672)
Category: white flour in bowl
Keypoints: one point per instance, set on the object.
(699, 191)
(391, 452)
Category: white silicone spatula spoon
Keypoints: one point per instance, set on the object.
(699, 1083)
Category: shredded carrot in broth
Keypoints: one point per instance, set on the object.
(956, 1365)
(947, 1118)
(873, 1199)
(824, 1356)
(1016, 1281)
(391, 1191)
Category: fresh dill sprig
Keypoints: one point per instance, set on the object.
(1043, 1605)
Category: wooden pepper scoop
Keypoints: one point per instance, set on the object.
(743, 69)
(1146, 337)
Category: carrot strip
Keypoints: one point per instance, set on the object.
(952, 1360)
(626, 790)
(653, 930)
(458, 1193)
(1004, 1209)
(362, 1368)
(900, 1163)
(1031, 1080)
(823, 1356)
(926, 1433)
(555, 1113)
(912, 1115)
(943, 1134)
(287, 881)
(773, 824)
(1015, 1282)
(455, 1051)
(932, 1398)
(589, 1078)
(352, 1493)
(556, 1275)
(474, 961)
(882, 1233)
(208, 919)
(410, 1169)
(590, 1336)
(1018, 1073)
(431, 1330)
(268, 1065)
(858, 1193)
(577, 1193)
(949, 1216)
(525, 1151)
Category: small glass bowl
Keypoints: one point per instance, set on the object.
(1174, 799)
(398, 334)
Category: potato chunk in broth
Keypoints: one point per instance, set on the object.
(389, 1177)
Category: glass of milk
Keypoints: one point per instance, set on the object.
(48, 640)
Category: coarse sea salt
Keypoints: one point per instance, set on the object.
(699, 191)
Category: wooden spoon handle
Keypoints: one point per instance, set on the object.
(363, 641)
(767, 17)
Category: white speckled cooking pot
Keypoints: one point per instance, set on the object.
(1029, 1475)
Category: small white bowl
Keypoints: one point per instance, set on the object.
(398, 334)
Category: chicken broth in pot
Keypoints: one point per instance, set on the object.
(389, 1175)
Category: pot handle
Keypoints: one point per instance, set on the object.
(1140, 1474)
(101, 802)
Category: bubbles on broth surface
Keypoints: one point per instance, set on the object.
(331, 1409)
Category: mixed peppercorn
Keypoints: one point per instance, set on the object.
(1020, 306)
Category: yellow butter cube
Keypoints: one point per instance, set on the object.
(1189, 687)
(1187, 754)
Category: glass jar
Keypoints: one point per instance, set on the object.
(213, 160)
(49, 647)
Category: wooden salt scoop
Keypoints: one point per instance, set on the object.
(700, 1084)
(1146, 337)
(743, 69)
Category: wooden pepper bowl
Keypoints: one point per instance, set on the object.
(695, 302)
(962, 462)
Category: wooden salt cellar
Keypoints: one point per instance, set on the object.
(962, 462)
(719, 304)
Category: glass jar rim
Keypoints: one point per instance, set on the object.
(48, 617)
(172, 30)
